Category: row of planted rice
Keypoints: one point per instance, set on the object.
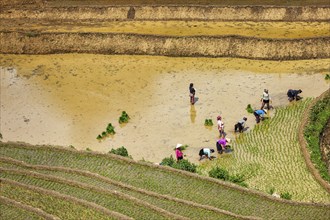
(104, 192)
(270, 159)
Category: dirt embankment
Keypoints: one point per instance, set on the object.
(208, 13)
(110, 43)
(325, 145)
(205, 46)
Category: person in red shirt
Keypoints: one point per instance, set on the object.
(178, 152)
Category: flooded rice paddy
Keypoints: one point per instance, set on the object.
(70, 99)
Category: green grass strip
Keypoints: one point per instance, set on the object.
(104, 181)
(9, 210)
(98, 190)
(63, 206)
(168, 181)
(318, 118)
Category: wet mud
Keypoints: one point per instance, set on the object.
(70, 99)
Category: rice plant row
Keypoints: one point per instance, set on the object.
(166, 181)
(274, 149)
(108, 199)
(49, 203)
(196, 211)
(11, 209)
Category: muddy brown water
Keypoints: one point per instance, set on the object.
(69, 99)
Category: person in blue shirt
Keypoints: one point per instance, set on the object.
(259, 114)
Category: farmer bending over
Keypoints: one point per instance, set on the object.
(240, 125)
(205, 152)
(259, 114)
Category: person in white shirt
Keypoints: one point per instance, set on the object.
(265, 99)
(240, 125)
(205, 152)
(221, 127)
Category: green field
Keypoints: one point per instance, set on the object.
(269, 157)
(69, 184)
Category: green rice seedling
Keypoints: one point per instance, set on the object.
(249, 108)
(88, 149)
(168, 161)
(219, 173)
(208, 122)
(181, 164)
(286, 196)
(183, 147)
(0, 136)
(185, 165)
(72, 147)
(271, 190)
(327, 77)
(99, 137)
(110, 129)
(123, 118)
(122, 151)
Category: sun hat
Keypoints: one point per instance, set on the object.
(265, 110)
(178, 145)
(228, 140)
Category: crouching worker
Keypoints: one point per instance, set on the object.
(259, 114)
(205, 152)
(239, 127)
(222, 145)
(294, 94)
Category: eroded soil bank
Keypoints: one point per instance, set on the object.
(69, 99)
(195, 46)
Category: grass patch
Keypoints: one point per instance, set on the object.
(319, 116)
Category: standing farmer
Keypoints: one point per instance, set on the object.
(265, 99)
(192, 92)
(221, 126)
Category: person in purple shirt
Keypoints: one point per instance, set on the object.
(259, 114)
(222, 144)
(178, 152)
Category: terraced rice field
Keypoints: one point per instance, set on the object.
(68, 184)
(285, 30)
(270, 157)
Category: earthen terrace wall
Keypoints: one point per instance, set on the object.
(197, 46)
(220, 13)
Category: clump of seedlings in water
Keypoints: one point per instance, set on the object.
(123, 118)
(327, 77)
(110, 130)
(208, 122)
(249, 109)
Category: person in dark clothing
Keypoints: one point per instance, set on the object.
(240, 125)
(192, 92)
(294, 94)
